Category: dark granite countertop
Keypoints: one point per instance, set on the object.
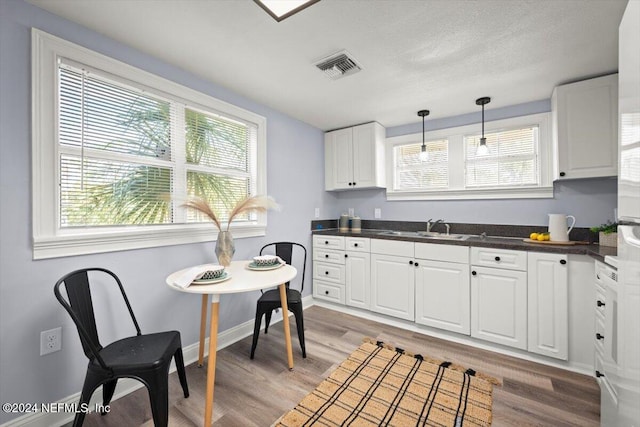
(500, 242)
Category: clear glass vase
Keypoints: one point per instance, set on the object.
(225, 248)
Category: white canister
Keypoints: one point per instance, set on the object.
(559, 228)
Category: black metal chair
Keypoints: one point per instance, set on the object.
(270, 300)
(145, 358)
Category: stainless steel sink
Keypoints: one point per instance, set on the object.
(444, 236)
(400, 233)
(426, 235)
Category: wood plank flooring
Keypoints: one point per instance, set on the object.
(257, 392)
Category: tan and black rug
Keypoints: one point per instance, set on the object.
(379, 385)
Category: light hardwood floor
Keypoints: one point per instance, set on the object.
(257, 392)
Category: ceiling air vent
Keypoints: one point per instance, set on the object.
(338, 65)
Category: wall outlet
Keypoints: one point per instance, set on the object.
(377, 213)
(316, 214)
(50, 341)
(352, 212)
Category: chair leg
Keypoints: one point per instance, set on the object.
(267, 320)
(181, 373)
(108, 389)
(256, 332)
(297, 312)
(91, 382)
(157, 383)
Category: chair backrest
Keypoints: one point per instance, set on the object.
(80, 307)
(285, 250)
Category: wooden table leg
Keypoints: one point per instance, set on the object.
(203, 328)
(285, 322)
(211, 365)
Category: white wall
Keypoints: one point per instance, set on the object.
(27, 303)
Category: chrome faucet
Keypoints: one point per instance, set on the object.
(430, 225)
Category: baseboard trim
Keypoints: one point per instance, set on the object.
(127, 385)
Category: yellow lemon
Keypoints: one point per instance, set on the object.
(534, 236)
(547, 236)
(541, 237)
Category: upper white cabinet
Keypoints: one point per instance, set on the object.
(585, 122)
(354, 157)
(548, 289)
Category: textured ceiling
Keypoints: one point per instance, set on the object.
(416, 54)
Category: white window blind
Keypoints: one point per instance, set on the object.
(117, 150)
(512, 159)
(118, 160)
(412, 173)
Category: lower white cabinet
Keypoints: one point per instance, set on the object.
(443, 296)
(548, 305)
(358, 279)
(499, 306)
(393, 285)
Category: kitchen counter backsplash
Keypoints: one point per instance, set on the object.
(372, 228)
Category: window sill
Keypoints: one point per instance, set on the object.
(475, 194)
(73, 244)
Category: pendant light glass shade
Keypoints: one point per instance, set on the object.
(424, 154)
(483, 150)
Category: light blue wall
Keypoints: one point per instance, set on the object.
(295, 179)
(27, 303)
(591, 201)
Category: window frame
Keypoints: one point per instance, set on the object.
(49, 240)
(457, 162)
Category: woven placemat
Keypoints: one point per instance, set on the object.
(382, 385)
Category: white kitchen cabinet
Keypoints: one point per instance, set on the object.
(329, 268)
(585, 134)
(548, 306)
(393, 285)
(357, 272)
(358, 279)
(354, 157)
(393, 278)
(499, 306)
(443, 295)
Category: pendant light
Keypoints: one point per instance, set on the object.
(424, 155)
(483, 150)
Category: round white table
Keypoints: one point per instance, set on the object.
(242, 280)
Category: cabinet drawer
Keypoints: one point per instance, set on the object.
(392, 247)
(328, 255)
(328, 242)
(357, 244)
(328, 272)
(328, 291)
(446, 253)
(500, 258)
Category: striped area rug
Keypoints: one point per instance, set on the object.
(379, 385)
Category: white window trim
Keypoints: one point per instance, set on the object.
(49, 241)
(457, 190)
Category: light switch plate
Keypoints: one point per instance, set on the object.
(377, 213)
(316, 215)
(352, 211)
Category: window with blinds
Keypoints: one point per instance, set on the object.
(518, 163)
(512, 159)
(124, 153)
(117, 150)
(411, 172)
